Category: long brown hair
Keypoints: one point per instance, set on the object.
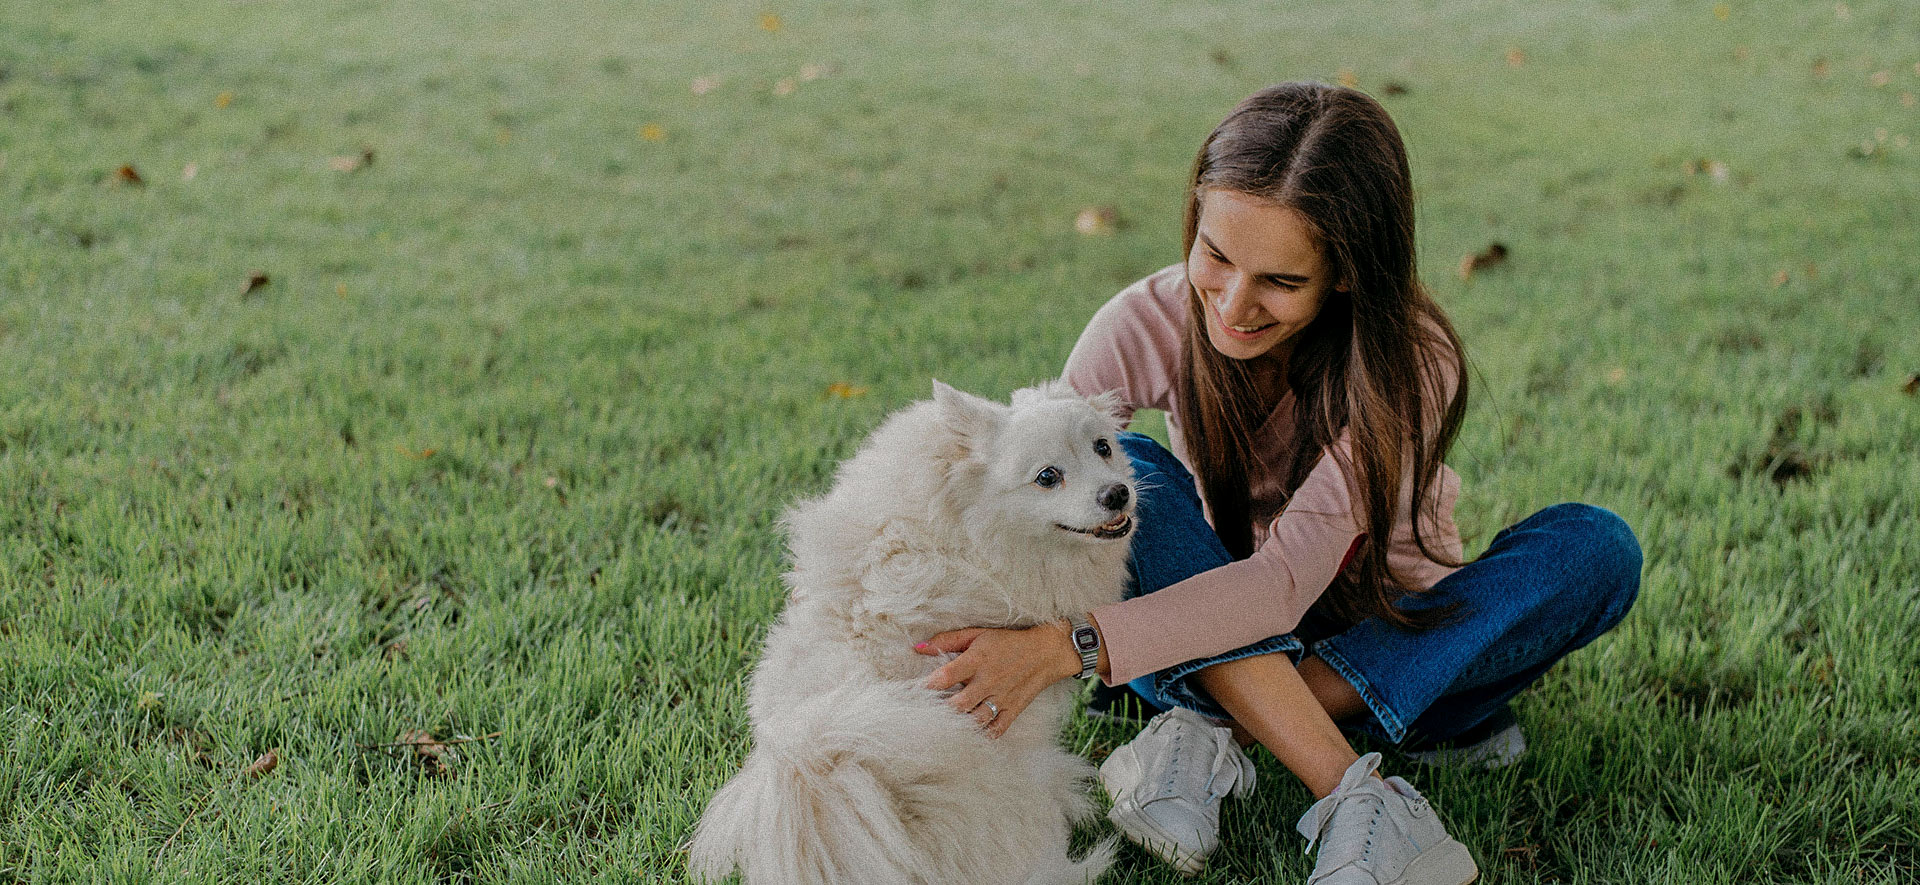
(1375, 363)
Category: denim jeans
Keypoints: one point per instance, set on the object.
(1547, 585)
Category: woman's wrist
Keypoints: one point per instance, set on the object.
(1066, 662)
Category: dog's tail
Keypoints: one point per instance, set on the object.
(820, 799)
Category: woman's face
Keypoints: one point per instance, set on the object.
(1258, 268)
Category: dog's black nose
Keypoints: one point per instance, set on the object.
(1115, 496)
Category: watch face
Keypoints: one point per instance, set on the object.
(1085, 639)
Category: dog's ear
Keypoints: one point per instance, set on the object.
(1113, 406)
(970, 418)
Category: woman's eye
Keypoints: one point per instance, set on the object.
(1048, 478)
(1101, 448)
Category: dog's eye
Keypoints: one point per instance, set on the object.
(1101, 448)
(1048, 478)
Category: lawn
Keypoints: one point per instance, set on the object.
(437, 373)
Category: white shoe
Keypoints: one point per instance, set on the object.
(1381, 832)
(1166, 786)
(1495, 743)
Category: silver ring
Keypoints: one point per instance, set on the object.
(993, 707)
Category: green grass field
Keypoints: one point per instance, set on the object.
(501, 443)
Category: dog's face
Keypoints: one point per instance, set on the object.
(1049, 466)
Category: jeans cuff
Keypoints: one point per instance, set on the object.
(1172, 686)
(1390, 724)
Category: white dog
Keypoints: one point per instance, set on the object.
(957, 512)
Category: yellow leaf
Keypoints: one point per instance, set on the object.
(1516, 57)
(769, 22)
(843, 390)
(223, 99)
(1348, 79)
(1721, 11)
(653, 132)
(1780, 277)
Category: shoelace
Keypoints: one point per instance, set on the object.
(1314, 824)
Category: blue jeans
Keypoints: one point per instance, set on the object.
(1546, 586)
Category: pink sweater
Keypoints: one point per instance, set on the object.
(1133, 345)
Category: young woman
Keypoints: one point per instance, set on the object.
(1311, 579)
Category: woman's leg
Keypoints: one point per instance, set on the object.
(1263, 693)
(1550, 584)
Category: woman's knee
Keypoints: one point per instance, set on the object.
(1610, 555)
(1148, 457)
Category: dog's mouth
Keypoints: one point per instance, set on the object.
(1119, 527)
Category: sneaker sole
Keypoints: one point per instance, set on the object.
(1447, 863)
(1125, 768)
(1499, 750)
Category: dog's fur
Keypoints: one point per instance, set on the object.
(860, 774)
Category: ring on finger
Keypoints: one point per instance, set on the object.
(991, 708)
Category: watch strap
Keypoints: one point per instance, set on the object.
(1086, 641)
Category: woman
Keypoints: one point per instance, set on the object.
(1311, 578)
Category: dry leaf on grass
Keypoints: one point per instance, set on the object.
(843, 390)
(267, 762)
(704, 85)
(352, 162)
(1494, 254)
(653, 132)
(1516, 57)
(223, 99)
(769, 22)
(1394, 87)
(128, 175)
(255, 282)
(1912, 387)
(1097, 220)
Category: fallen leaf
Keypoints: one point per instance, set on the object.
(1516, 57)
(1722, 11)
(785, 86)
(340, 289)
(1912, 386)
(552, 482)
(704, 85)
(1348, 79)
(255, 281)
(1494, 254)
(843, 390)
(1821, 69)
(189, 172)
(267, 762)
(1780, 277)
(148, 700)
(436, 756)
(126, 174)
(1394, 87)
(1097, 220)
(223, 99)
(1878, 79)
(1811, 270)
(811, 72)
(421, 455)
(652, 132)
(1616, 376)
(352, 162)
(1221, 57)
(769, 22)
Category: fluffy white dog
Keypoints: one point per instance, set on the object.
(956, 512)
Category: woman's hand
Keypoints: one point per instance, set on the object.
(1007, 667)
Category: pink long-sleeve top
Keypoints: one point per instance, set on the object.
(1133, 345)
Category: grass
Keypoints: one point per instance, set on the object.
(501, 443)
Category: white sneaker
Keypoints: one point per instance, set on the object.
(1495, 743)
(1166, 786)
(1381, 832)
